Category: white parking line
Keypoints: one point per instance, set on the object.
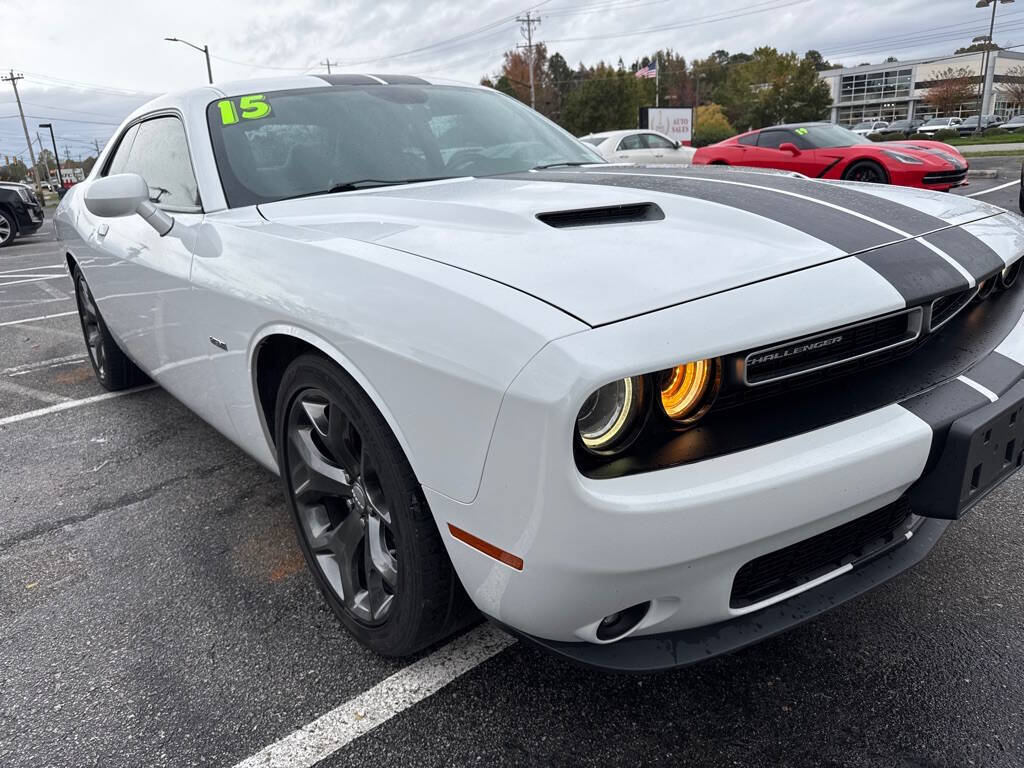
(994, 189)
(69, 404)
(14, 370)
(32, 393)
(36, 319)
(332, 731)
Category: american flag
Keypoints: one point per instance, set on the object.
(650, 71)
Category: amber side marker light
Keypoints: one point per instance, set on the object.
(488, 549)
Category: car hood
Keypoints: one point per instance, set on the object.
(605, 244)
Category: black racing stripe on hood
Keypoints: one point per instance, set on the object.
(918, 273)
(903, 217)
(848, 233)
(970, 252)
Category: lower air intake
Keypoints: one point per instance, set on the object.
(788, 568)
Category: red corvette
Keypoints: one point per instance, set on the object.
(828, 151)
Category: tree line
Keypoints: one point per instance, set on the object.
(733, 91)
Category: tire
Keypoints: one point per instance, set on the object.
(8, 229)
(867, 171)
(362, 521)
(114, 371)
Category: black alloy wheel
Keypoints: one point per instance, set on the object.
(342, 508)
(8, 229)
(867, 172)
(362, 520)
(113, 369)
(91, 329)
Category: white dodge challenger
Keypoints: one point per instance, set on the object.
(640, 416)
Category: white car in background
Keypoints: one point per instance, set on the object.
(639, 146)
(869, 127)
(937, 124)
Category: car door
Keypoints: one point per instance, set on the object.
(631, 149)
(663, 150)
(140, 279)
(768, 155)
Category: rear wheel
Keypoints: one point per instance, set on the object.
(362, 521)
(866, 171)
(8, 229)
(112, 367)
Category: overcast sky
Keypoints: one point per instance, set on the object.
(87, 63)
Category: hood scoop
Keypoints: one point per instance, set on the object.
(608, 214)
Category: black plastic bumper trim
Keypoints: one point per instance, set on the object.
(657, 653)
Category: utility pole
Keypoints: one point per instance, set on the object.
(328, 64)
(13, 80)
(527, 23)
(42, 157)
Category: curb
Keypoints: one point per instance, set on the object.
(982, 174)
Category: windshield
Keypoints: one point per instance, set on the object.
(970, 121)
(272, 146)
(938, 121)
(828, 135)
(859, 126)
(593, 140)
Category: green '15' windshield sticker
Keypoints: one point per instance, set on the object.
(801, 131)
(252, 107)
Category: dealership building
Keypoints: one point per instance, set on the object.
(896, 90)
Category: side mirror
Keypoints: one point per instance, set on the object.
(788, 146)
(122, 195)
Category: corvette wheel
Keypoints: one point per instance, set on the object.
(867, 172)
(8, 230)
(112, 367)
(361, 518)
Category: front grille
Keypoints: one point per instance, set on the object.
(946, 177)
(831, 347)
(785, 569)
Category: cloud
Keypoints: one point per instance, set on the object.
(118, 44)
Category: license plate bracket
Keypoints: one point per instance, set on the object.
(982, 450)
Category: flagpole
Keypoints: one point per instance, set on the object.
(657, 77)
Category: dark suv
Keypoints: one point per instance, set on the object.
(20, 212)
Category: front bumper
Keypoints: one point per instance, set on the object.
(676, 538)
(30, 218)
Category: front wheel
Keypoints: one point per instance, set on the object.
(362, 521)
(866, 171)
(8, 229)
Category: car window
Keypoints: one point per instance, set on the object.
(657, 142)
(750, 139)
(631, 142)
(774, 139)
(159, 154)
(120, 159)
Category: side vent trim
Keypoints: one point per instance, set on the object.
(608, 214)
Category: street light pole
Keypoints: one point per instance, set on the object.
(205, 50)
(56, 154)
(985, 93)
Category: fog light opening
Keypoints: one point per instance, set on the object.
(621, 623)
(987, 288)
(1010, 274)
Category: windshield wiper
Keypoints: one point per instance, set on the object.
(573, 164)
(348, 186)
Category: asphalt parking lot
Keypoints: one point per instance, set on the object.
(155, 610)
